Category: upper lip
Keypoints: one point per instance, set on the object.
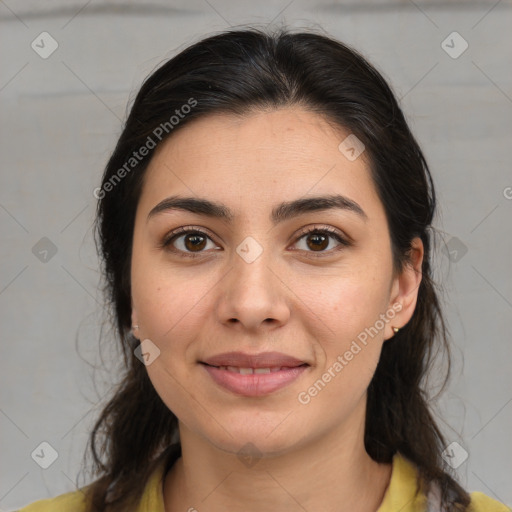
(262, 360)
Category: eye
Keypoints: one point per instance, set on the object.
(192, 241)
(318, 239)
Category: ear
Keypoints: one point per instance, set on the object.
(135, 323)
(404, 289)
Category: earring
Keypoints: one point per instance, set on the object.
(396, 329)
(135, 327)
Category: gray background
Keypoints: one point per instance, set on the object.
(60, 120)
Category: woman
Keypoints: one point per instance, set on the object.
(264, 223)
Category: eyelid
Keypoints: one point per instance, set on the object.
(324, 228)
(342, 238)
(344, 241)
(185, 230)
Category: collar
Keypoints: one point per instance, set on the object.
(400, 494)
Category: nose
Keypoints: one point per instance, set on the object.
(252, 295)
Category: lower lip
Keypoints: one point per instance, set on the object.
(255, 384)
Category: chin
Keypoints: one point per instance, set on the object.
(256, 438)
(253, 447)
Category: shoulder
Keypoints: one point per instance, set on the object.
(69, 502)
(482, 503)
(400, 494)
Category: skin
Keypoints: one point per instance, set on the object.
(312, 456)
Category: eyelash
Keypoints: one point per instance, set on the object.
(171, 237)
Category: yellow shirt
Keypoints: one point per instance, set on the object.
(399, 495)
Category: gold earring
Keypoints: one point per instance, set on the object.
(396, 329)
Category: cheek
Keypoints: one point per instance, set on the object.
(172, 386)
(351, 307)
(169, 314)
(166, 298)
(347, 305)
(351, 352)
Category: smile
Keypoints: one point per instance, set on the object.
(252, 382)
(247, 371)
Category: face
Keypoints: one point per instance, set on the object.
(313, 285)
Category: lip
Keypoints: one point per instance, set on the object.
(261, 360)
(255, 384)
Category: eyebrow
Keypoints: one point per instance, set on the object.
(280, 213)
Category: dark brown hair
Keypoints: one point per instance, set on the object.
(236, 72)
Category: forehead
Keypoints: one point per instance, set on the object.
(247, 161)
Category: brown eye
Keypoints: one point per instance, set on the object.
(187, 242)
(194, 241)
(317, 240)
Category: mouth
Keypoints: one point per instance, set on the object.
(263, 361)
(251, 371)
(255, 376)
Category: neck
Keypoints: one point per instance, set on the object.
(332, 473)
